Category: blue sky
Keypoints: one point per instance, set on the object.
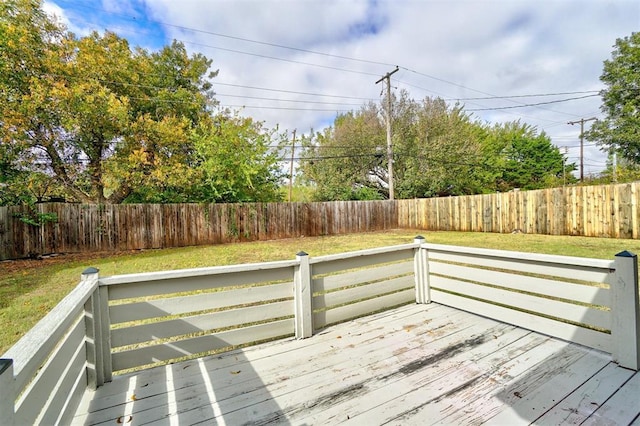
(276, 57)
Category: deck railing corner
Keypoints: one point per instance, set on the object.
(625, 327)
(421, 271)
(97, 326)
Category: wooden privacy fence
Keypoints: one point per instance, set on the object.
(591, 211)
(83, 227)
(594, 211)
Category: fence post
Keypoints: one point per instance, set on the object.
(625, 324)
(302, 297)
(421, 271)
(7, 392)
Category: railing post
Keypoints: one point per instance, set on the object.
(105, 324)
(97, 333)
(625, 324)
(7, 392)
(302, 297)
(421, 272)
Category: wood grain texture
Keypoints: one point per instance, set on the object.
(561, 310)
(419, 364)
(568, 267)
(568, 332)
(87, 228)
(516, 281)
(136, 311)
(195, 345)
(594, 211)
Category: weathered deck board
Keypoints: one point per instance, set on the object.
(420, 364)
(584, 401)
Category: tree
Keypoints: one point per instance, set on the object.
(100, 119)
(126, 117)
(27, 40)
(345, 161)
(620, 129)
(442, 154)
(524, 158)
(238, 161)
(436, 152)
(438, 149)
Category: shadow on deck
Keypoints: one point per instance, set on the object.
(419, 364)
(482, 336)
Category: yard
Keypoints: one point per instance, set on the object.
(30, 288)
(98, 355)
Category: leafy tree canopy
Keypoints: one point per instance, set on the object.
(107, 123)
(438, 150)
(620, 129)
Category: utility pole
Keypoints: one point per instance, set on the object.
(293, 150)
(581, 121)
(387, 77)
(564, 164)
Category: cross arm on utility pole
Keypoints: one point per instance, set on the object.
(581, 121)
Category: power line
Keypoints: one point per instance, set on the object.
(530, 105)
(284, 108)
(488, 97)
(286, 100)
(535, 95)
(279, 59)
(324, 54)
(290, 91)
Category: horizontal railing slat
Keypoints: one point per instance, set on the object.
(156, 283)
(568, 332)
(196, 272)
(554, 308)
(137, 311)
(332, 316)
(350, 295)
(517, 256)
(36, 345)
(66, 397)
(75, 398)
(552, 288)
(592, 270)
(360, 259)
(39, 391)
(333, 282)
(182, 326)
(187, 347)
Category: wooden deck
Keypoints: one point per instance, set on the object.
(419, 364)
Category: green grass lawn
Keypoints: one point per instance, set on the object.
(30, 288)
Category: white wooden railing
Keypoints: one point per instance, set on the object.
(587, 301)
(113, 324)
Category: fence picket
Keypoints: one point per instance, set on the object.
(594, 211)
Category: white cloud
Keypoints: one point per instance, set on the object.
(499, 47)
(56, 12)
